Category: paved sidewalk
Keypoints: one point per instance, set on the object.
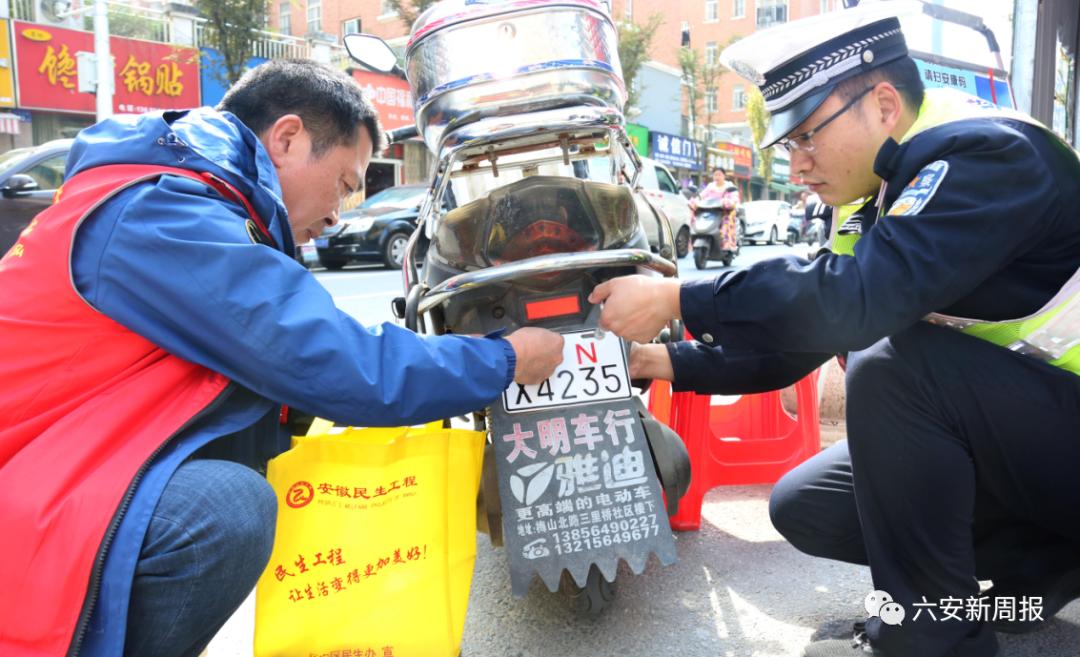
(738, 590)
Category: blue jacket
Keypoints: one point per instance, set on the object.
(996, 241)
(172, 261)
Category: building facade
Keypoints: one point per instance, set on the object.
(719, 123)
(718, 133)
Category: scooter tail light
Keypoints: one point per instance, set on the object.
(554, 307)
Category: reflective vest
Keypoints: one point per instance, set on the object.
(1052, 333)
(85, 403)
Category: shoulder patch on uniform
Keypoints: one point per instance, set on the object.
(920, 190)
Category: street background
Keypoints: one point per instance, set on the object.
(738, 589)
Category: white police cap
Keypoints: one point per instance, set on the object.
(798, 64)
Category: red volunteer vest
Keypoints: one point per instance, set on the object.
(84, 404)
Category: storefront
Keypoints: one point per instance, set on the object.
(783, 187)
(148, 76)
(404, 163)
(681, 155)
(12, 134)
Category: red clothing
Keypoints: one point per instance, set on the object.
(85, 404)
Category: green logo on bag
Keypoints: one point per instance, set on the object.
(300, 494)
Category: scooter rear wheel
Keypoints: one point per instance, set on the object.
(596, 596)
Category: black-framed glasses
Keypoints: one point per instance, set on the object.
(804, 142)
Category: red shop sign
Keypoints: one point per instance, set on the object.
(743, 156)
(391, 97)
(148, 76)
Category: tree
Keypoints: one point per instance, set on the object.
(689, 63)
(634, 43)
(230, 29)
(700, 79)
(758, 118)
(409, 10)
(1063, 92)
(127, 22)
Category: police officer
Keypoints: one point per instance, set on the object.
(948, 293)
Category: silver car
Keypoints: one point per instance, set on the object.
(660, 187)
(766, 221)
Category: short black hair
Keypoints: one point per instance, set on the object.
(721, 170)
(901, 73)
(328, 101)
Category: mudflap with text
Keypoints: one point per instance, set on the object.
(578, 487)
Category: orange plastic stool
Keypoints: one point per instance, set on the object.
(751, 441)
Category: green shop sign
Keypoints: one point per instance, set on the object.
(639, 137)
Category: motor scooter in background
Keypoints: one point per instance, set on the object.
(707, 233)
(805, 228)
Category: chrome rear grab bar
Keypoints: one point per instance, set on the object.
(542, 265)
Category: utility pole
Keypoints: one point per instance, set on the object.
(103, 57)
(96, 68)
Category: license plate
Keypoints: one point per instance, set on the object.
(593, 369)
(322, 242)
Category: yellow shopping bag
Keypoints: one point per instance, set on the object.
(375, 544)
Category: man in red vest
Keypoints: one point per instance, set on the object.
(152, 323)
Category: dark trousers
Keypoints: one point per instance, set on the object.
(960, 464)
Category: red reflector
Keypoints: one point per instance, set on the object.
(556, 307)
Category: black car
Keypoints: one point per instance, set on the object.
(29, 178)
(377, 230)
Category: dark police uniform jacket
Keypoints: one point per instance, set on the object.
(996, 240)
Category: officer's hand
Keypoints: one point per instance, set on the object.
(538, 351)
(650, 361)
(637, 307)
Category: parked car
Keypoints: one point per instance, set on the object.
(29, 178)
(376, 230)
(766, 221)
(662, 190)
(307, 254)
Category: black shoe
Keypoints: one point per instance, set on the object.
(857, 646)
(1056, 591)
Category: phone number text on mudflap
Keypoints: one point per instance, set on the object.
(616, 532)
